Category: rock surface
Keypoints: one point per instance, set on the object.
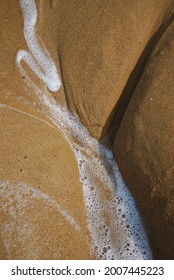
(39, 177)
(95, 45)
(144, 146)
(99, 43)
(36, 156)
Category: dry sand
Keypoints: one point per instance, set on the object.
(95, 45)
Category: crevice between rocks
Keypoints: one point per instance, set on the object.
(114, 120)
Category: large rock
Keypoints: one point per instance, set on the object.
(98, 44)
(40, 195)
(40, 191)
(144, 146)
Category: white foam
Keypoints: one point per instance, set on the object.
(16, 198)
(5, 106)
(115, 225)
(124, 237)
(22, 192)
(40, 61)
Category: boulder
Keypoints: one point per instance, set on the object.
(98, 44)
(144, 146)
(42, 213)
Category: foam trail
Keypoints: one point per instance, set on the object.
(5, 106)
(16, 198)
(115, 225)
(23, 192)
(41, 58)
(123, 237)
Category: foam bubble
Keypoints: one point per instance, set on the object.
(40, 57)
(113, 220)
(16, 199)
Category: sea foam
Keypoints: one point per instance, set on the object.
(40, 61)
(16, 200)
(115, 225)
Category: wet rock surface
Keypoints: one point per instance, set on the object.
(144, 146)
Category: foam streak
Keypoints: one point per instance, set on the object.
(115, 225)
(16, 198)
(40, 56)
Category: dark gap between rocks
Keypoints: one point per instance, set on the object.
(114, 120)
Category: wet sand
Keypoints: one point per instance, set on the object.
(34, 151)
(39, 173)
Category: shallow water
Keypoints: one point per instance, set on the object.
(16, 200)
(115, 225)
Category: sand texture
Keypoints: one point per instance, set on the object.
(115, 62)
(99, 43)
(40, 156)
(144, 146)
(39, 177)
